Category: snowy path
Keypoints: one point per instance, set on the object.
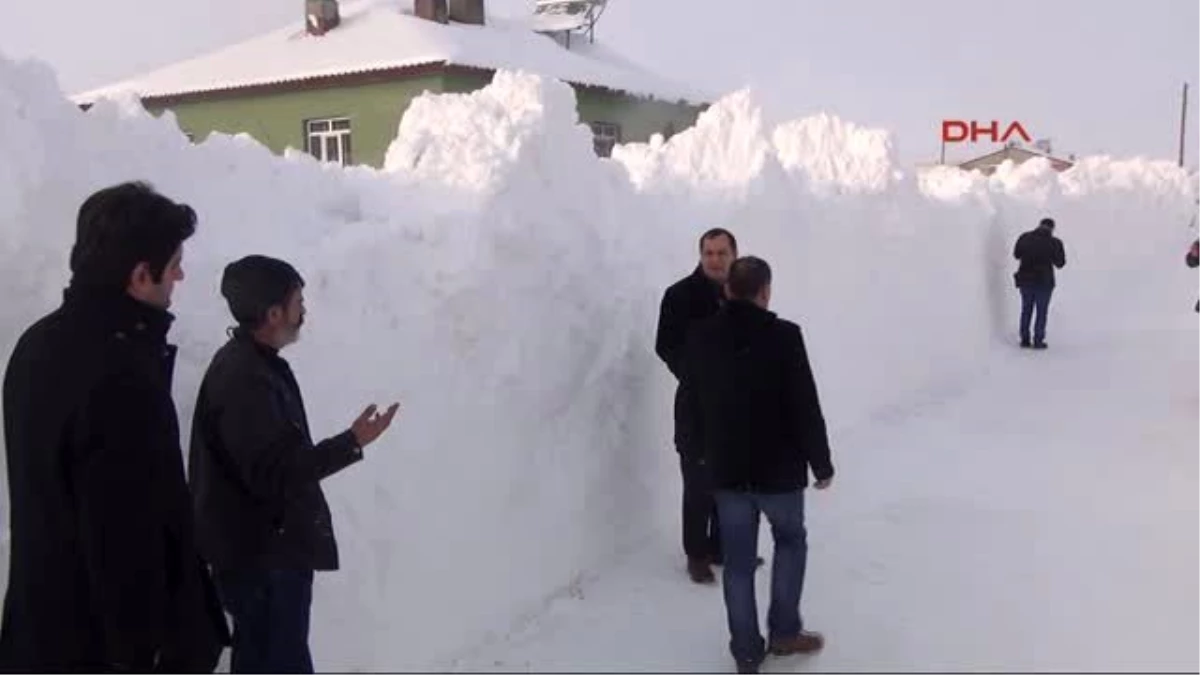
(1044, 519)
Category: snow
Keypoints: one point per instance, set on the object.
(378, 35)
(995, 509)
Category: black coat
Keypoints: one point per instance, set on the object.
(757, 413)
(686, 302)
(104, 572)
(254, 469)
(1039, 252)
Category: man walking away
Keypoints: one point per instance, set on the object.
(759, 420)
(691, 299)
(1193, 260)
(262, 518)
(104, 575)
(1039, 252)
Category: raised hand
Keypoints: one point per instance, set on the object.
(370, 425)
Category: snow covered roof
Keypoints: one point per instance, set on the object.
(1016, 153)
(384, 36)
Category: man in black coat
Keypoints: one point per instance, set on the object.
(1039, 252)
(692, 299)
(758, 419)
(104, 572)
(262, 518)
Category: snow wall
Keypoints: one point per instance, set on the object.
(503, 284)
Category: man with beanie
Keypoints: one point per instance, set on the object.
(1039, 252)
(261, 517)
(758, 420)
(103, 573)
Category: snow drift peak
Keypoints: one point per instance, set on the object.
(726, 149)
(834, 152)
(473, 140)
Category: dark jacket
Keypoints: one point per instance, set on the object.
(758, 416)
(254, 469)
(687, 301)
(104, 572)
(1039, 252)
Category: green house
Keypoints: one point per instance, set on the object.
(338, 86)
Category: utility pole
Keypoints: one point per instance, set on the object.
(1183, 124)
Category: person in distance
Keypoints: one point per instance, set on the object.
(1039, 252)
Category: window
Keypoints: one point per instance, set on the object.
(605, 135)
(329, 140)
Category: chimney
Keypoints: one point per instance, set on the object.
(321, 16)
(467, 11)
(431, 10)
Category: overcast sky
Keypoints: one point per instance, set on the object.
(1095, 76)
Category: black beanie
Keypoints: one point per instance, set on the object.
(255, 284)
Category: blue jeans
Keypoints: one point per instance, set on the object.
(739, 516)
(271, 611)
(1035, 297)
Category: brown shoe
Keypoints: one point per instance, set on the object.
(700, 571)
(806, 642)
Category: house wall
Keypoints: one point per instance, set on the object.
(277, 119)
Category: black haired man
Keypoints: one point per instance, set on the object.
(691, 299)
(757, 419)
(261, 516)
(104, 572)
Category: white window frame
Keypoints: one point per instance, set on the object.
(605, 136)
(326, 137)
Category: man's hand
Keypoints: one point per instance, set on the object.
(823, 484)
(370, 425)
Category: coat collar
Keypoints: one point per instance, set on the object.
(747, 310)
(116, 310)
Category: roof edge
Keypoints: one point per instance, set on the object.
(1001, 151)
(348, 78)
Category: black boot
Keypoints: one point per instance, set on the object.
(700, 571)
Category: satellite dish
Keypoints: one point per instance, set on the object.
(564, 17)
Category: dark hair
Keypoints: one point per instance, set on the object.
(124, 225)
(719, 232)
(256, 283)
(748, 277)
(1047, 223)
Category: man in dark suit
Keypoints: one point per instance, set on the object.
(1039, 252)
(104, 572)
(757, 419)
(693, 298)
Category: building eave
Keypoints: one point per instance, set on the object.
(355, 78)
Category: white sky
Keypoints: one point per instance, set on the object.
(1095, 76)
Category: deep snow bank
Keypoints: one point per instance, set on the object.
(504, 285)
